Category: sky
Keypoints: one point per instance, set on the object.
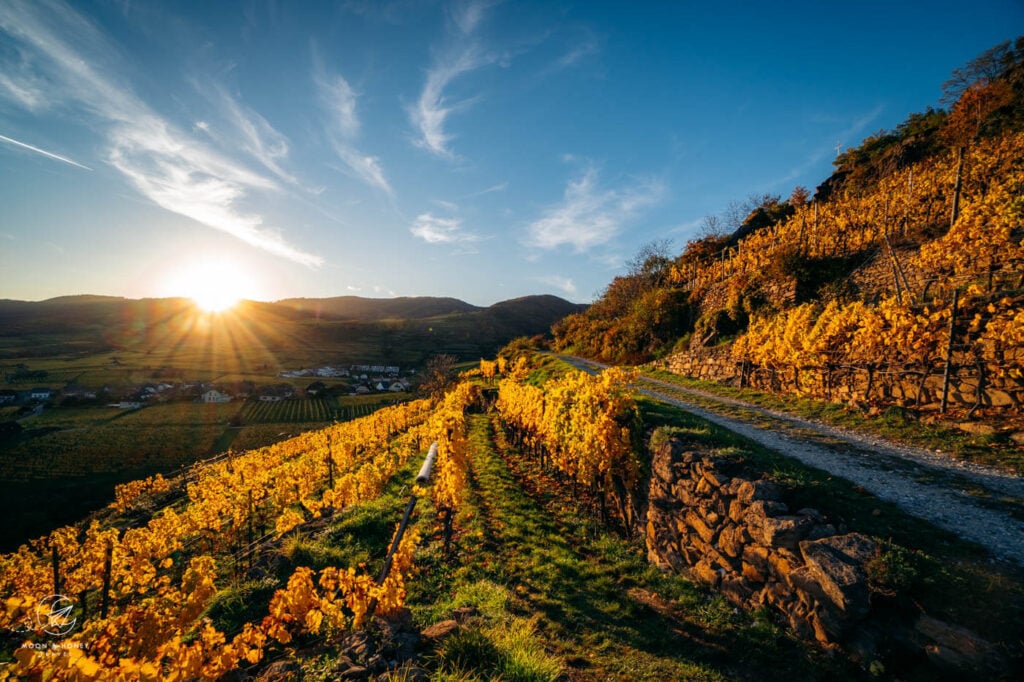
(482, 150)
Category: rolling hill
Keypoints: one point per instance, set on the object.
(402, 329)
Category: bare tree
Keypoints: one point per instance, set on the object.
(712, 226)
(438, 375)
(651, 259)
(985, 68)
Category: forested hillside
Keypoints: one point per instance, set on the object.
(909, 259)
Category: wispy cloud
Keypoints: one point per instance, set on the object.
(578, 52)
(431, 111)
(23, 89)
(853, 131)
(37, 150)
(468, 15)
(590, 215)
(856, 128)
(338, 100)
(586, 46)
(166, 165)
(435, 230)
(250, 130)
(463, 55)
(688, 227)
(447, 205)
(392, 11)
(564, 283)
(500, 187)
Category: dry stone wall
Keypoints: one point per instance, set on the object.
(713, 519)
(707, 518)
(845, 384)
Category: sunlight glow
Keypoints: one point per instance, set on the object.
(214, 285)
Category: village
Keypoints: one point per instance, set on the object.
(353, 380)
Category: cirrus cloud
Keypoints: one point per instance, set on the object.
(435, 230)
(171, 168)
(590, 215)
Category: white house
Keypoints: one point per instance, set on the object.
(40, 394)
(214, 396)
(75, 391)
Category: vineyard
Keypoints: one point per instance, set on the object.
(899, 283)
(142, 585)
(308, 410)
(250, 556)
(148, 583)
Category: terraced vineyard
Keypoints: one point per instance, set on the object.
(518, 563)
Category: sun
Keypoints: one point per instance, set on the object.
(214, 285)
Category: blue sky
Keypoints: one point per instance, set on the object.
(482, 150)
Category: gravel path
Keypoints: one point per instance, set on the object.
(892, 472)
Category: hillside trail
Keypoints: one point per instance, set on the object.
(977, 503)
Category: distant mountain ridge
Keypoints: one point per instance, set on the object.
(421, 325)
(369, 309)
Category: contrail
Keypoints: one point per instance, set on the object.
(37, 150)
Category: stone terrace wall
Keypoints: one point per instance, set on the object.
(710, 518)
(737, 535)
(844, 385)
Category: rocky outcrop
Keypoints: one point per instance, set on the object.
(708, 518)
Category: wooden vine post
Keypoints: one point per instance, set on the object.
(957, 187)
(105, 597)
(55, 560)
(949, 356)
(422, 478)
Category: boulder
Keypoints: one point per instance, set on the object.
(977, 428)
(731, 540)
(715, 478)
(757, 556)
(736, 590)
(440, 630)
(737, 510)
(781, 565)
(665, 457)
(706, 531)
(703, 571)
(751, 573)
(280, 671)
(464, 613)
(760, 509)
(952, 646)
(837, 565)
(750, 491)
(784, 531)
(806, 587)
